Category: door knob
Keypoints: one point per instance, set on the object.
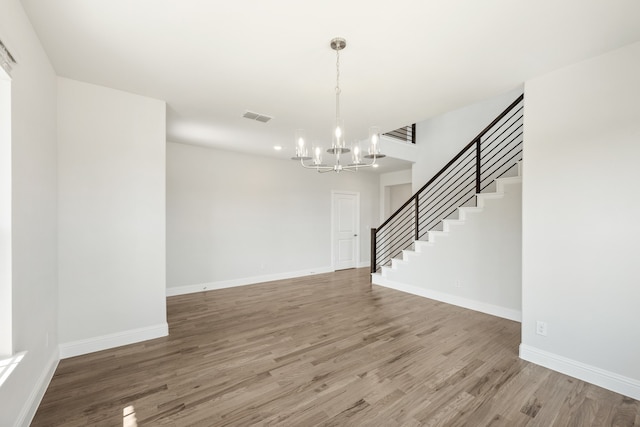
(355, 235)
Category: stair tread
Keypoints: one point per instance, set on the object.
(492, 195)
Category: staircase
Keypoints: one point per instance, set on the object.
(474, 261)
(458, 239)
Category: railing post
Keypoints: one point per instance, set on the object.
(415, 221)
(374, 248)
(478, 174)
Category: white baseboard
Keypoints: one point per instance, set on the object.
(591, 374)
(483, 307)
(364, 264)
(201, 287)
(90, 345)
(37, 393)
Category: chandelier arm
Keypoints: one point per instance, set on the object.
(317, 167)
(373, 162)
(356, 167)
(360, 165)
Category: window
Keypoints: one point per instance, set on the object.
(6, 338)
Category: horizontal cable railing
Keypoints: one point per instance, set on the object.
(488, 156)
(405, 133)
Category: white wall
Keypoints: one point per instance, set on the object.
(581, 225)
(234, 218)
(395, 148)
(111, 217)
(34, 218)
(398, 195)
(388, 180)
(440, 138)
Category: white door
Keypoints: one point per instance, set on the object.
(345, 226)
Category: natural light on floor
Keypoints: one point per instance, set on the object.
(129, 417)
(8, 364)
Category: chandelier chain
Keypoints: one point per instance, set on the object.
(337, 84)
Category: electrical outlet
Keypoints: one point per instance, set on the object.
(541, 328)
(458, 284)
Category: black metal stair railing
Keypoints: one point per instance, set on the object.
(405, 133)
(488, 156)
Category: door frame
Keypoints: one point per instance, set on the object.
(333, 226)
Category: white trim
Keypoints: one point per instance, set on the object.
(333, 228)
(77, 348)
(363, 264)
(591, 374)
(222, 284)
(483, 307)
(30, 406)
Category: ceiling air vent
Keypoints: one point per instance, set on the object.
(255, 116)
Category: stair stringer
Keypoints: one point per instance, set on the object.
(475, 262)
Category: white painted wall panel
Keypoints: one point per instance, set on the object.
(112, 211)
(440, 138)
(33, 218)
(581, 232)
(233, 216)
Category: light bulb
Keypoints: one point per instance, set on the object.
(374, 138)
(299, 141)
(338, 132)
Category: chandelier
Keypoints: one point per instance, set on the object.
(338, 145)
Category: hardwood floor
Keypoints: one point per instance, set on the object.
(324, 350)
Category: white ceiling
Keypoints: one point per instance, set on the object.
(405, 61)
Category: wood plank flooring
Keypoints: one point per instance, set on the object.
(324, 350)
